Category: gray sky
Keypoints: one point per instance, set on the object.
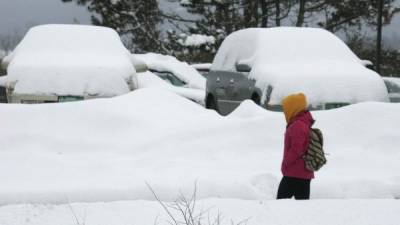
(19, 15)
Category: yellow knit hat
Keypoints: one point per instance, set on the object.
(293, 105)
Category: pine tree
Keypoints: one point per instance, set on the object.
(137, 21)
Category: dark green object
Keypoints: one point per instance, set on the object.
(69, 98)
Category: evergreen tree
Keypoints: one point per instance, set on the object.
(137, 21)
(341, 15)
(141, 22)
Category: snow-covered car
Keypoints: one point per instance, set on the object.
(168, 72)
(266, 64)
(393, 87)
(56, 63)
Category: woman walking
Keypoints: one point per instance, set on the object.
(296, 178)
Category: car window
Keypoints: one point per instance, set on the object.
(3, 95)
(334, 105)
(170, 78)
(392, 87)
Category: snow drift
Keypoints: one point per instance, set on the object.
(308, 60)
(106, 149)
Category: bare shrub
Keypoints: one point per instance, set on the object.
(183, 211)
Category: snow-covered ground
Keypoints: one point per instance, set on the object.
(105, 150)
(283, 212)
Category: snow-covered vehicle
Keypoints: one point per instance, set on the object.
(55, 63)
(393, 87)
(169, 73)
(266, 64)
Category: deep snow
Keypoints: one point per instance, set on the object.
(105, 150)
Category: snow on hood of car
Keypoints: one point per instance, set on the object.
(182, 70)
(150, 80)
(309, 60)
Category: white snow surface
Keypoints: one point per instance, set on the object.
(3, 54)
(182, 70)
(308, 60)
(203, 66)
(395, 80)
(3, 81)
(106, 149)
(71, 60)
(283, 212)
(150, 80)
(196, 40)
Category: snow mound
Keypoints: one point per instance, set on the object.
(182, 70)
(248, 109)
(106, 149)
(71, 60)
(308, 60)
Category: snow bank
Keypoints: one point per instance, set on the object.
(71, 60)
(106, 149)
(182, 70)
(309, 60)
(285, 212)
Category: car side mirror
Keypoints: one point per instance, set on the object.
(368, 64)
(141, 67)
(240, 67)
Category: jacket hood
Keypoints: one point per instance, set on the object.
(293, 105)
(305, 117)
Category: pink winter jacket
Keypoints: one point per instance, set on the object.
(296, 144)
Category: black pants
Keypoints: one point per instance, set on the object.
(290, 186)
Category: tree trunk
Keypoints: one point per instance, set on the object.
(278, 13)
(256, 14)
(379, 37)
(302, 11)
(264, 13)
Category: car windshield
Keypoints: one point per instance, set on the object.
(170, 78)
(392, 87)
